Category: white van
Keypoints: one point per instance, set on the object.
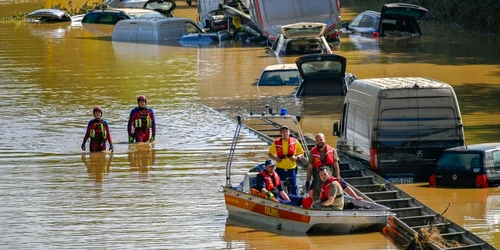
(158, 30)
(400, 126)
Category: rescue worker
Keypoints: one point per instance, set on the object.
(269, 184)
(286, 151)
(98, 132)
(324, 155)
(331, 196)
(141, 122)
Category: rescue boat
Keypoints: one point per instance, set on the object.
(357, 215)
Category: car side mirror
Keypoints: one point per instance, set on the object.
(336, 131)
(345, 25)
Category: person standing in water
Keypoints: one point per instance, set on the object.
(98, 132)
(141, 125)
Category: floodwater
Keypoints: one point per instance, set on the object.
(165, 196)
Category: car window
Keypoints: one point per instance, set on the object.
(91, 18)
(280, 77)
(322, 68)
(496, 159)
(107, 18)
(191, 28)
(355, 22)
(146, 15)
(366, 22)
(460, 161)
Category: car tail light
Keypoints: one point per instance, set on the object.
(373, 159)
(481, 181)
(375, 34)
(432, 180)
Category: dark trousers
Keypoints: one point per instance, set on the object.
(291, 175)
(295, 200)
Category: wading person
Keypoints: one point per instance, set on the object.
(269, 184)
(98, 132)
(331, 196)
(141, 125)
(286, 151)
(324, 155)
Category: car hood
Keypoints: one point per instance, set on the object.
(330, 70)
(50, 15)
(303, 30)
(402, 11)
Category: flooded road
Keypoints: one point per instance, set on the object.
(166, 195)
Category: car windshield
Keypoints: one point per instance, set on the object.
(146, 15)
(280, 77)
(460, 161)
(322, 69)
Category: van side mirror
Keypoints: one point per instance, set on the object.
(345, 26)
(336, 131)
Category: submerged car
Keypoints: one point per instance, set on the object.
(280, 74)
(112, 16)
(475, 165)
(301, 39)
(166, 7)
(395, 19)
(322, 75)
(51, 15)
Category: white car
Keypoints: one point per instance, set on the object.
(301, 39)
(280, 74)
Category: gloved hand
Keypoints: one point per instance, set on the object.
(270, 195)
(130, 139)
(111, 148)
(152, 139)
(83, 146)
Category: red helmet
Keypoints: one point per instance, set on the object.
(97, 108)
(142, 97)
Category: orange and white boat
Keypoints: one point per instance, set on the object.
(357, 216)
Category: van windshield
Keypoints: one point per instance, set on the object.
(402, 126)
(460, 161)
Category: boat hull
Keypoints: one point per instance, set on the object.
(245, 206)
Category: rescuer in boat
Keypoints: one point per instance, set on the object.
(286, 151)
(141, 122)
(324, 155)
(98, 132)
(331, 195)
(269, 184)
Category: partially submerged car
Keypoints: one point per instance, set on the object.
(166, 7)
(51, 15)
(280, 74)
(112, 16)
(398, 19)
(157, 31)
(301, 39)
(322, 74)
(475, 165)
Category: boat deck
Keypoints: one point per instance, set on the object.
(412, 215)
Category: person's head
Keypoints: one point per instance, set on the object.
(142, 101)
(270, 166)
(97, 111)
(320, 140)
(285, 132)
(324, 174)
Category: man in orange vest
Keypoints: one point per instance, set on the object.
(324, 155)
(331, 196)
(269, 184)
(286, 151)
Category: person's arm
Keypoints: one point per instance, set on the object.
(299, 152)
(260, 183)
(87, 133)
(272, 152)
(153, 122)
(129, 124)
(106, 127)
(284, 196)
(309, 170)
(336, 167)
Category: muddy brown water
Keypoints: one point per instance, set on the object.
(166, 195)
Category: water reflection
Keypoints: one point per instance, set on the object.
(142, 158)
(98, 165)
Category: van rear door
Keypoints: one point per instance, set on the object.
(414, 128)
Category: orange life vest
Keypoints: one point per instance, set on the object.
(279, 147)
(97, 130)
(269, 181)
(143, 120)
(325, 188)
(329, 156)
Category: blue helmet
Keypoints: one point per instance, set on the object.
(270, 163)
